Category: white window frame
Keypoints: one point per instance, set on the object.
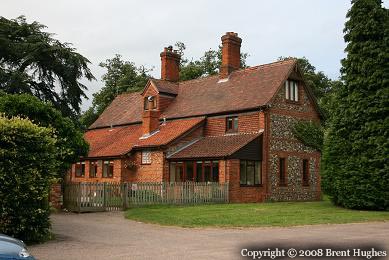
(292, 90)
(146, 157)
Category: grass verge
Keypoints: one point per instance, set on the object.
(253, 214)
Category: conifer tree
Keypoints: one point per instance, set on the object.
(356, 148)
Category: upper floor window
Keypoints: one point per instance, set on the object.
(80, 169)
(108, 169)
(291, 90)
(146, 157)
(150, 102)
(232, 124)
(92, 169)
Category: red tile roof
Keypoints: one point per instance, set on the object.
(245, 89)
(215, 146)
(164, 86)
(125, 108)
(116, 141)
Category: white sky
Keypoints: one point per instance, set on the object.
(138, 30)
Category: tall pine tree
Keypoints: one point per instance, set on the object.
(356, 148)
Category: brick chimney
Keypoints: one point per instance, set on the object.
(150, 117)
(170, 64)
(230, 54)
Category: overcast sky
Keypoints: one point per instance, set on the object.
(138, 30)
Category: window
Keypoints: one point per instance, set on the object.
(80, 169)
(146, 157)
(198, 171)
(305, 172)
(108, 169)
(92, 169)
(232, 124)
(291, 90)
(250, 173)
(147, 101)
(282, 174)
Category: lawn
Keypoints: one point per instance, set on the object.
(253, 214)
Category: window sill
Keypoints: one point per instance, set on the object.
(256, 185)
(292, 102)
(145, 164)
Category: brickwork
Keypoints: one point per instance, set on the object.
(247, 123)
(238, 193)
(117, 172)
(282, 144)
(55, 196)
(152, 172)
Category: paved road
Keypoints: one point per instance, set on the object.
(110, 236)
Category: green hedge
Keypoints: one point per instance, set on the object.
(27, 153)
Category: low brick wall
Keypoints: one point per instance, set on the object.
(55, 196)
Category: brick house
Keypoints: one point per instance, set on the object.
(233, 127)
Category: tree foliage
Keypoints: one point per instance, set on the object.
(121, 76)
(207, 65)
(27, 167)
(356, 147)
(70, 143)
(33, 62)
(309, 133)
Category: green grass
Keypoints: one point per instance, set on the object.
(253, 215)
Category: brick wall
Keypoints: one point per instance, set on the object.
(282, 144)
(55, 196)
(117, 172)
(247, 123)
(238, 193)
(146, 172)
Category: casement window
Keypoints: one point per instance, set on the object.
(250, 173)
(146, 157)
(282, 172)
(197, 171)
(291, 90)
(80, 169)
(93, 169)
(232, 124)
(108, 169)
(305, 172)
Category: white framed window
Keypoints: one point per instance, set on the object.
(146, 157)
(291, 90)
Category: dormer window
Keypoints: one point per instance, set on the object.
(232, 124)
(150, 102)
(291, 90)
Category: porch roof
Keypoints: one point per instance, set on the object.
(215, 146)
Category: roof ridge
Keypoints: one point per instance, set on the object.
(271, 64)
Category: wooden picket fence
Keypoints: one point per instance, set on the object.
(89, 197)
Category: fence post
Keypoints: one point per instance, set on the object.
(104, 197)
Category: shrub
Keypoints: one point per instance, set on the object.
(27, 163)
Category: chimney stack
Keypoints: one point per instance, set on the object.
(230, 54)
(150, 118)
(170, 64)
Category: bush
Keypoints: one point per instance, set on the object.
(309, 133)
(27, 165)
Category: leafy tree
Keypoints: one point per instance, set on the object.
(356, 147)
(208, 64)
(309, 133)
(33, 62)
(70, 143)
(27, 169)
(121, 76)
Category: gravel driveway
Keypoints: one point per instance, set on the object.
(109, 235)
